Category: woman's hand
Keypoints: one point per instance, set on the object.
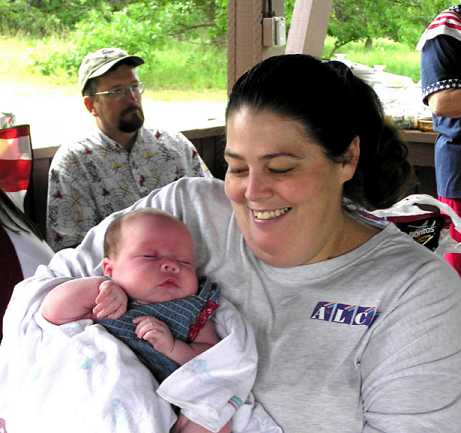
(111, 302)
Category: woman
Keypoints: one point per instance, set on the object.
(22, 249)
(357, 326)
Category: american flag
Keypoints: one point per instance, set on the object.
(15, 162)
(447, 22)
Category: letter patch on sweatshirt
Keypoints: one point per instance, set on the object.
(344, 313)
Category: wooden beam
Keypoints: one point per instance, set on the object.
(245, 37)
(308, 27)
(278, 9)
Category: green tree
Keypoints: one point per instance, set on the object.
(398, 20)
(141, 27)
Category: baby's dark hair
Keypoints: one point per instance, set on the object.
(112, 235)
(334, 106)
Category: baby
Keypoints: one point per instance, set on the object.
(149, 260)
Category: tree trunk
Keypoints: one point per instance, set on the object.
(368, 43)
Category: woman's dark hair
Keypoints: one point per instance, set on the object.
(15, 220)
(334, 106)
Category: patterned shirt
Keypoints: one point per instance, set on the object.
(94, 177)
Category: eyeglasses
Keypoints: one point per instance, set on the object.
(120, 92)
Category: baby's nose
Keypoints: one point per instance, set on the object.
(169, 266)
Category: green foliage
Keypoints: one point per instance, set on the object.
(365, 20)
(398, 58)
(48, 17)
(184, 66)
(133, 28)
(142, 27)
(172, 60)
(43, 17)
(195, 31)
(289, 7)
(422, 13)
(218, 32)
(399, 20)
(20, 17)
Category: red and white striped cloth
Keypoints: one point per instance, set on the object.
(447, 22)
(15, 162)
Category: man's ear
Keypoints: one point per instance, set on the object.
(89, 105)
(107, 267)
(351, 159)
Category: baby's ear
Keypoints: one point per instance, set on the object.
(107, 267)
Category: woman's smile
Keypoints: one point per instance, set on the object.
(269, 214)
(283, 188)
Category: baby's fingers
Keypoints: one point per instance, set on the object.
(118, 312)
(110, 308)
(144, 325)
(105, 291)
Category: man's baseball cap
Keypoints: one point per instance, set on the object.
(99, 62)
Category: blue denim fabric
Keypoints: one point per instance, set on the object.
(178, 315)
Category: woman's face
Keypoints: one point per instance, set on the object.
(285, 192)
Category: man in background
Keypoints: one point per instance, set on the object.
(120, 161)
(440, 47)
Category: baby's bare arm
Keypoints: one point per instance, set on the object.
(84, 298)
(159, 336)
(72, 300)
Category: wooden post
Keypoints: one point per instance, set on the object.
(309, 27)
(245, 36)
(279, 11)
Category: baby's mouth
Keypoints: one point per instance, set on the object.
(269, 214)
(169, 282)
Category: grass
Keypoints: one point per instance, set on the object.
(16, 63)
(183, 71)
(184, 65)
(398, 58)
(19, 54)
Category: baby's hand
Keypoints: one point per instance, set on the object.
(111, 302)
(155, 332)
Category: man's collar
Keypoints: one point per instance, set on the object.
(110, 141)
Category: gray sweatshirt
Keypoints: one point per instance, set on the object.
(366, 342)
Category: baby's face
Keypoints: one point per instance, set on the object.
(155, 260)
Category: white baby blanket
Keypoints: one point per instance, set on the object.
(79, 378)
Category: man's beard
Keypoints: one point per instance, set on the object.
(131, 119)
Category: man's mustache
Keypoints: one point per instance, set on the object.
(131, 109)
